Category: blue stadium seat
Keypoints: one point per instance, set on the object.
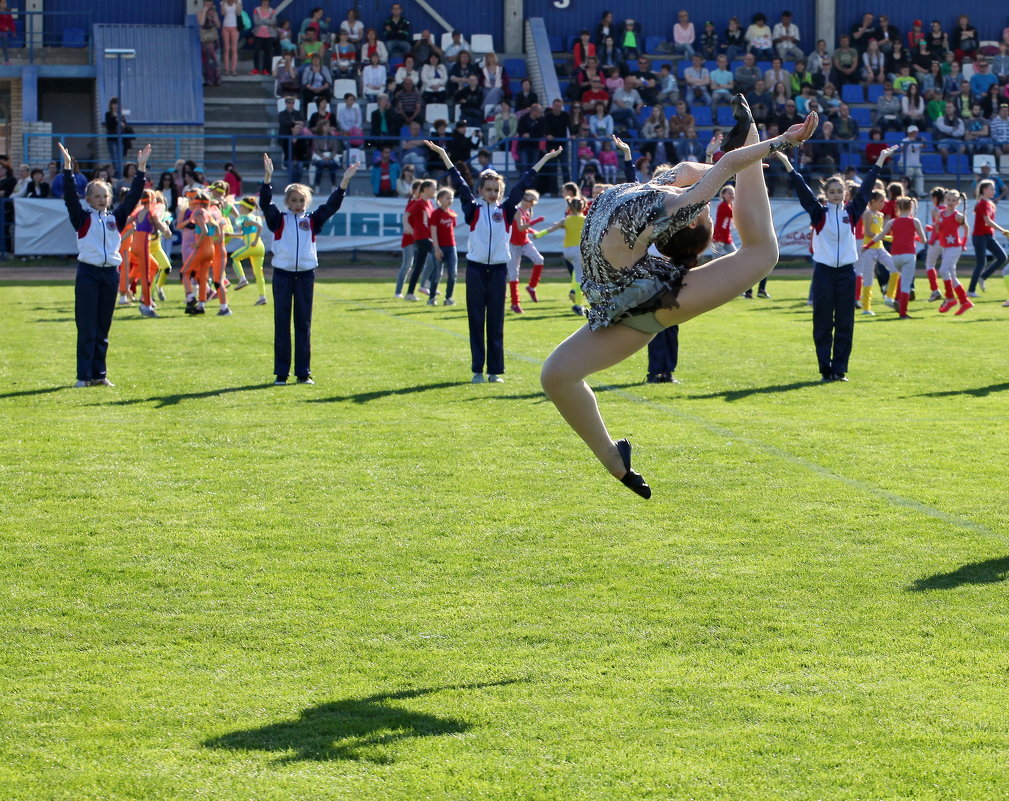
(710, 65)
(725, 118)
(670, 111)
(788, 65)
(851, 160)
(958, 164)
(931, 164)
(653, 45)
(556, 42)
(516, 68)
(571, 41)
(852, 93)
(681, 67)
(763, 66)
(893, 137)
(644, 114)
(862, 116)
(735, 65)
(875, 91)
(74, 37)
(925, 136)
(702, 115)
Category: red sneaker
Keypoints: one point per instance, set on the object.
(947, 304)
(517, 309)
(963, 307)
(532, 295)
(254, 72)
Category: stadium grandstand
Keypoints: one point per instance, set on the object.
(215, 84)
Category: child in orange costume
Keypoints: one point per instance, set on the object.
(201, 261)
(143, 266)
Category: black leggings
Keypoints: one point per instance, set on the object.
(262, 52)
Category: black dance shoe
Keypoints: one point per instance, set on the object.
(632, 480)
(744, 119)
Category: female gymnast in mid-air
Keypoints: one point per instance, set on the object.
(635, 290)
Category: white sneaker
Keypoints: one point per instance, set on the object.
(261, 301)
(102, 382)
(448, 302)
(80, 384)
(124, 301)
(398, 295)
(936, 295)
(981, 284)
(973, 295)
(161, 294)
(858, 304)
(424, 291)
(495, 379)
(224, 311)
(147, 311)
(869, 311)
(432, 302)
(242, 283)
(889, 302)
(477, 378)
(410, 297)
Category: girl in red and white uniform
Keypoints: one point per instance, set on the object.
(983, 238)
(521, 246)
(934, 250)
(950, 223)
(904, 230)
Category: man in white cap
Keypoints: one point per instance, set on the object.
(987, 174)
(911, 149)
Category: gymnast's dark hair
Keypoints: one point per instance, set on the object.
(685, 245)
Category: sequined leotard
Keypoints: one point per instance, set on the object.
(612, 292)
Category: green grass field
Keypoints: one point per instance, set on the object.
(394, 585)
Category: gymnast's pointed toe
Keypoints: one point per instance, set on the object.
(631, 479)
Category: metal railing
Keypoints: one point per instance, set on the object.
(35, 30)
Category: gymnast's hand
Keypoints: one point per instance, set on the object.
(798, 134)
(622, 146)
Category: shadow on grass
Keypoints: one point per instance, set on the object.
(539, 395)
(738, 394)
(173, 400)
(346, 729)
(377, 394)
(991, 571)
(977, 392)
(24, 393)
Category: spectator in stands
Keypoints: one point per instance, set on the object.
(647, 81)
(977, 133)
(903, 82)
(698, 82)
(129, 170)
(604, 28)
(845, 126)
(803, 100)
(323, 112)
(532, 132)
(910, 159)
(116, 130)
(708, 44)
(683, 35)
(950, 132)
(776, 74)
(456, 46)
(667, 90)
(374, 46)
(301, 151)
(385, 122)
(384, 173)
(458, 76)
(23, 179)
(627, 104)
(921, 65)
(494, 80)
(824, 152)
(398, 39)
(230, 11)
(887, 36)
(409, 103)
(758, 38)
(316, 82)
(846, 63)
(963, 100)
(889, 115)
(681, 121)
(460, 146)
(37, 186)
(284, 38)
(630, 40)
(209, 23)
(814, 62)
(785, 38)
(721, 82)
(344, 58)
(373, 79)
(983, 79)
(951, 83)
(324, 153)
(935, 106)
(406, 70)
(999, 130)
(873, 64)
(506, 124)
(407, 179)
(1000, 63)
(556, 123)
(470, 100)
(348, 117)
(938, 41)
(862, 32)
(802, 77)
(655, 130)
(525, 97)
(932, 80)
(912, 107)
(780, 97)
(990, 102)
(414, 150)
(787, 118)
(829, 99)
(596, 94)
(897, 58)
(315, 22)
(583, 48)
(964, 40)
(286, 121)
(915, 35)
(761, 102)
(424, 47)
(354, 27)
(986, 174)
(286, 76)
(747, 74)
(609, 55)
(600, 124)
(735, 39)
(690, 148)
(434, 80)
(310, 46)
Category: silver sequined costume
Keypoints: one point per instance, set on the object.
(612, 292)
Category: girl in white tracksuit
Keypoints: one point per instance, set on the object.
(487, 257)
